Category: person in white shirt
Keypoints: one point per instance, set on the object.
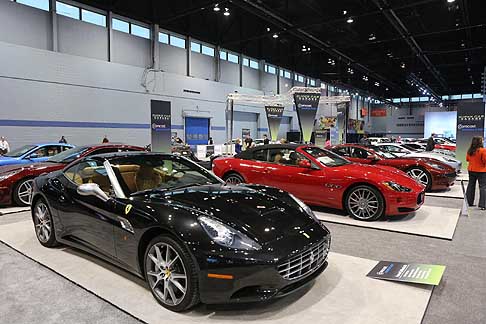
(4, 147)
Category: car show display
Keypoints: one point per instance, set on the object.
(33, 153)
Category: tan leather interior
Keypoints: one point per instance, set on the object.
(128, 173)
(147, 178)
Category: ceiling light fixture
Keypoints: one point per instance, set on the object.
(216, 8)
(450, 1)
(275, 35)
(226, 12)
(403, 65)
(350, 20)
(372, 37)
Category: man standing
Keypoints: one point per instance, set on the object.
(430, 143)
(4, 147)
(63, 140)
(248, 141)
(265, 140)
(364, 140)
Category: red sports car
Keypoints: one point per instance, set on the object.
(16, 180)
(320, 177)
(433, 174)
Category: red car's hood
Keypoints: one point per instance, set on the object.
(380, 173)
(38, 167)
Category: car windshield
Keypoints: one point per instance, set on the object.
(325, 157)
(68, 156)
(20, 151)
(159, 172)
(386, 155)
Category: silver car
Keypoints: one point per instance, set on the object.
(402, 151)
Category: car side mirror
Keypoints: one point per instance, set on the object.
(33, 156)
(305, 164)
(92, 189)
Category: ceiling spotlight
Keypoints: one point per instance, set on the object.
(350, 71)
(372, 37)
(403, 65)
(365, 78)
(450, 1)
(268, 29)
(226, 12)
(216, 8)
(275, 35)
(350, 20)
(345, 12)
(386, 89)
(377, 84)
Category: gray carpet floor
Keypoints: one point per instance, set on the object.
(30, 293)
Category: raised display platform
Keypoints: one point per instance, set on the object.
(342, 294)
(431, 221)
(453, 192)
(12, 210)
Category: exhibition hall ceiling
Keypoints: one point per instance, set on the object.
(374, 45)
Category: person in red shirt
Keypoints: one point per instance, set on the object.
(476, 158)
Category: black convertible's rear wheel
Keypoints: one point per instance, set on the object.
(171, 274)
(364, 203)
(44, 226)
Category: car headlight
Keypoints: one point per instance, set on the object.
(227, 236)
(396, 187)
(306, 208)
(435, 166)
(7, 175)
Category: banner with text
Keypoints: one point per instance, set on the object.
(160, 126)
(470, 123)
(427, 274)
(306, 105)
(274, 118)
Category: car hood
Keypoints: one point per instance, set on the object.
(436, 156)
(253, 212)
(380, 173)
(33, 166)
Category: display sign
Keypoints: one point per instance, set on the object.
(306, 105)
(320, 137)
(470, 123)
(334, 136)
(440, 123)
(378, 112)
(355, 126)
(274, 118)
(327, 122)
(427, 274)
(160, 122)
(364, 112)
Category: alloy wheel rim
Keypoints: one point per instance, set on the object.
(24, 192)
(43, 227)
(419, 176)
(166, 274)
(233, 180)
(363, 203)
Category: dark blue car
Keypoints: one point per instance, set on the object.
(33, 153)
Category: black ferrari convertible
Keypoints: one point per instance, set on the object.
(188, 234)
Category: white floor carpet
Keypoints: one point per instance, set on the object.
(11, 210)
(453, 192)
(342, 294)
(430, 221)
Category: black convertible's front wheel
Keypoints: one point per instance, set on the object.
(44, 226)
(171, 274)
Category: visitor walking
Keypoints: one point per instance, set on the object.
(476, 158)
(430, 143)
(265, 140)
(105, 140)
(63, 140)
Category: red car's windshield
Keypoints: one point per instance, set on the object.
(325, 157)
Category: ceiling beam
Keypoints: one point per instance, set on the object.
(392, 17)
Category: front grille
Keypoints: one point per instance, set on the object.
(305, 263)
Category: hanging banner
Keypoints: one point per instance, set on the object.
(274, 118)
(160, 122)
(470, 123)
(427, 274)
(327, 122)
(306, 105)
(355, 126)
(378, 112)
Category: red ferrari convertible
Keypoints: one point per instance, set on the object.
(320, 177)
(433, 174)
(16, 180)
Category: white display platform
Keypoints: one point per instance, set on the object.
(342, 294)
(431, 221)
(462, 176)
(11, 210)
(453, 192)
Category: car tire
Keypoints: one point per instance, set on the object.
(22, 193)
(422, 176)
(233, 178)
(43, 224)
(364, 203)
(175, 287)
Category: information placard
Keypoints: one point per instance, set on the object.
(427, 274)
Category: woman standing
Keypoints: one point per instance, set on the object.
(476, 156)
